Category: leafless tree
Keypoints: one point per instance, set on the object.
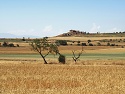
(77, 56)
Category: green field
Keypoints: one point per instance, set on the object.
(88, 56)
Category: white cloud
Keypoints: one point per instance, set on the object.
(113, 30)
(48, 31)
(95, 28)
(48, 28)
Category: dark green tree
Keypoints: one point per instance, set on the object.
(61, 42)
(23, 39)
(5, 44)
(89, 41)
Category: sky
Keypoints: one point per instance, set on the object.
(52, 17)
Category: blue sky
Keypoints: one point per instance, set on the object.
(52, 17)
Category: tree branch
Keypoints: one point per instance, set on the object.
(75, 58)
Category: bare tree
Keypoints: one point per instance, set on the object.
(76, 57)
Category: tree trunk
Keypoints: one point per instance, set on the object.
(45, 62)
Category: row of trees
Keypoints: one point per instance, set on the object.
(6, 44)
(64, 43)
(42, 45)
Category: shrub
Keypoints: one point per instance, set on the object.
(116, 45)
(112, 44)
(17, 45)
(98, 44)
(61, 42)
(11, 45)
(84, 44)
(61, 59)
(78, 44)
(90, 44)
(110, 39)
(122, 47)
(105, 40)
(5, 44)
(23, 39)
(89, 41)
(108, 44)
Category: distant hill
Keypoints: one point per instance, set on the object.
(77, 33)
(8, 35)
(72, 33)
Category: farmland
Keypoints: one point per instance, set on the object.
(100, 70)
(30, 78)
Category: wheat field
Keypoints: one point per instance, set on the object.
(37, 78)
(84, 38)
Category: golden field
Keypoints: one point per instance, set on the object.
(84, 38)
(63, 49)
(37, 78)
(90, 75)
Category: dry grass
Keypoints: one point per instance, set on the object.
(84, 38)
(37, 78)
(63, 49)
(17, 50)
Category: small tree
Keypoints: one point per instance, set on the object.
(90, 44)
(76, 57)
(108, 44)
(84, 44)
(23, 39)
(61, 42)
(78, 42)
(41, 45)
(98, 44)
(112, 45)
(89, 41)
(18, 45)
(11, 45)
(5, 44)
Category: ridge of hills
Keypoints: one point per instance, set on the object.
(9, 35)
(70, 33)
(77, 33)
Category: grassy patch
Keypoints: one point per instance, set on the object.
(84, 56)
